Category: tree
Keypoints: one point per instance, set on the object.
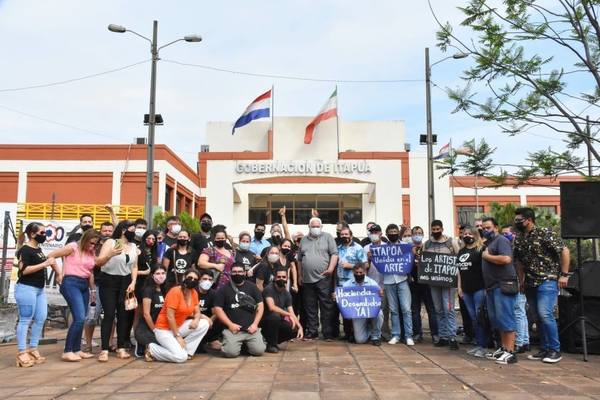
(477, 163)
(188, 223)
(525, 89)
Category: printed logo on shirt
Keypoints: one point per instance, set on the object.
(237, 300)
(180, 266)
(464, 257)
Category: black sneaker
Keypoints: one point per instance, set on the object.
(539, 356)
(467, 339)
(507, 358)
(522, 349)
(494, 355)
(552, 357)
(272, 349)
(453, 345)
(376, 342)
(441, 343)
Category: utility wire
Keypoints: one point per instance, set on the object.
(44, 85)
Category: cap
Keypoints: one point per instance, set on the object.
(375, 228)
(205, 215)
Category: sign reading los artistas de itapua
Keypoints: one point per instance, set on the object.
(304, 167)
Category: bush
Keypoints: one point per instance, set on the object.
(188, 222)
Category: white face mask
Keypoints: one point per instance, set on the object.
(175, 229)
(374, 237)
(244, 246)
(205, 285)
(273, 258)
(407, 239)
(139, 232)
(315, 231)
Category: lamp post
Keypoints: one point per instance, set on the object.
(430, 177)
(154, 49)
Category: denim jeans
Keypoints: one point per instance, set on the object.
(443, 301)
(367, 328)
(522, 322)
(32, 305)
(501, 310)
(543, 299)
(422, 294)
(473, 302)
(76, 292)
(399, 300)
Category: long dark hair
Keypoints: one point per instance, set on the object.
(187, 272)
(150, 281)
(145, 250)
(121, 228)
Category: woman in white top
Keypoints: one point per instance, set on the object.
(118, 276)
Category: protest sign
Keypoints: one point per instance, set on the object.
(56, 237)
(438, 269)
(392, 258)
(358, 301)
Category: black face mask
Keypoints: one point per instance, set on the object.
(182, 242)
(191, 283)
(129, 235)
(520, 226)
(468, 239)
(345, 240)
(85, 227)
(40, 238)
(219, 243)
(280, 283)
(205, 226)
(436, 235)
(393, 237)
(480, 230)
(276, 239)
(237, 279)
(285, 252)
(258, 235)
(359, 278)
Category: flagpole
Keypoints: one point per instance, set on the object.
(452, 187)
(272, 115)
(337, 122)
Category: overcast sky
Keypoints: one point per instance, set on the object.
(49, 41)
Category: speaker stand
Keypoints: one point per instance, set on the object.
(581, 319)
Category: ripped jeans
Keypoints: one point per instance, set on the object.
(32, 305)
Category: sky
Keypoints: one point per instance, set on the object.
(43, 42)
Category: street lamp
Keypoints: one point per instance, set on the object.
(430, 139)
(152, 114)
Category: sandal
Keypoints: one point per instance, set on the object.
(24, 361)
(123, 354)
(84, 354)
(103, 357)
(148, 356)
(35, 355)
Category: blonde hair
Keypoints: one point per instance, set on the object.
(475, 232)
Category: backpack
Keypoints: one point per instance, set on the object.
(447, 244)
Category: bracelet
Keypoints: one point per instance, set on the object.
(93, 290)
(565, 274)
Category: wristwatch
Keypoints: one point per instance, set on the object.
(565, 274)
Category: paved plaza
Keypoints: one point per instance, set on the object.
(304, 371)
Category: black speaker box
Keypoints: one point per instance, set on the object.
(590, 280)
(580, 210)
(568, 311)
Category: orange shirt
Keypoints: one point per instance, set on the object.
(176, 301)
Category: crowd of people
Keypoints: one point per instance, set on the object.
(180, 293)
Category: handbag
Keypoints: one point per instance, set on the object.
(130, 301)
(245, 301)
(509, 287)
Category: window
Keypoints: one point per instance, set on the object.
(466, 214)
(546, 210)
(264, 208)
(168, 197)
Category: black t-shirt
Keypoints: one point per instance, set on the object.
(228, 300)
(469, 267)
(169, 241)
(266, 273)
(29, 256)
(248, 258)
(158, 300)
(145, 263)
(74, 237)
(207, 301)
(178, 264)
(282, 299)
(199, 242)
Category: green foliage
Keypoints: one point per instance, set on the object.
(188, 222)
(479, 161)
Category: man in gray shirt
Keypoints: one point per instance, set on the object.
(317, 259)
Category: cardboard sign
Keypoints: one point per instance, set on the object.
(358, 301)
(392, 258)
(438, 269)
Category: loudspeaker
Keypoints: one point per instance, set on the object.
(580, 206)
(568, 311)
(590, 280)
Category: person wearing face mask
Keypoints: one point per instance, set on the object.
(471, 288)
(239, 307)
(202, 239)
(153, 299)
(542, 260)
(317, 259)
(177, 335)
(173, 229)
(287, 259)
(443, 297)
(206, 297)
(367, 239)
(259, 243)
(86, 221)
(420, 293)
(376, 238)
(219, 259)
(265, 272)
(365, 328)
(179, 259)
(243, 255)
(279, 323)
(118, 260)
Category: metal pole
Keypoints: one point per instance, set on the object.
(590, 174)
(430, 183)
(151, 124)
(4, 255)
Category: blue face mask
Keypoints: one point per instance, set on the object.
(509, 236)
(488, 234)
(417, 238)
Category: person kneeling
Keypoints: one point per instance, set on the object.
(178, 337)
(365, 328)
(239, 306)
(279, 323)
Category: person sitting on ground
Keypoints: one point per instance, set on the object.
(178, 337)
(207, 300)
(279, 323)
(153, 299)
(239, 306)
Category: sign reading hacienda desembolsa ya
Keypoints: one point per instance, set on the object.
(304, 167)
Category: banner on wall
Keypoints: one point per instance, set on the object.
(56, 237)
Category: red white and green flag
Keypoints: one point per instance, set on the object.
(329, 110)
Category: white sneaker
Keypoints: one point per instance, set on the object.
(410, 342)
(394, 340)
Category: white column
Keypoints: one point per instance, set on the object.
(174, 199)
(523, 199)
(22, 187)
(162, 183)
(116, 188)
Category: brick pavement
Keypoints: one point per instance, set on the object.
(305, 371)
